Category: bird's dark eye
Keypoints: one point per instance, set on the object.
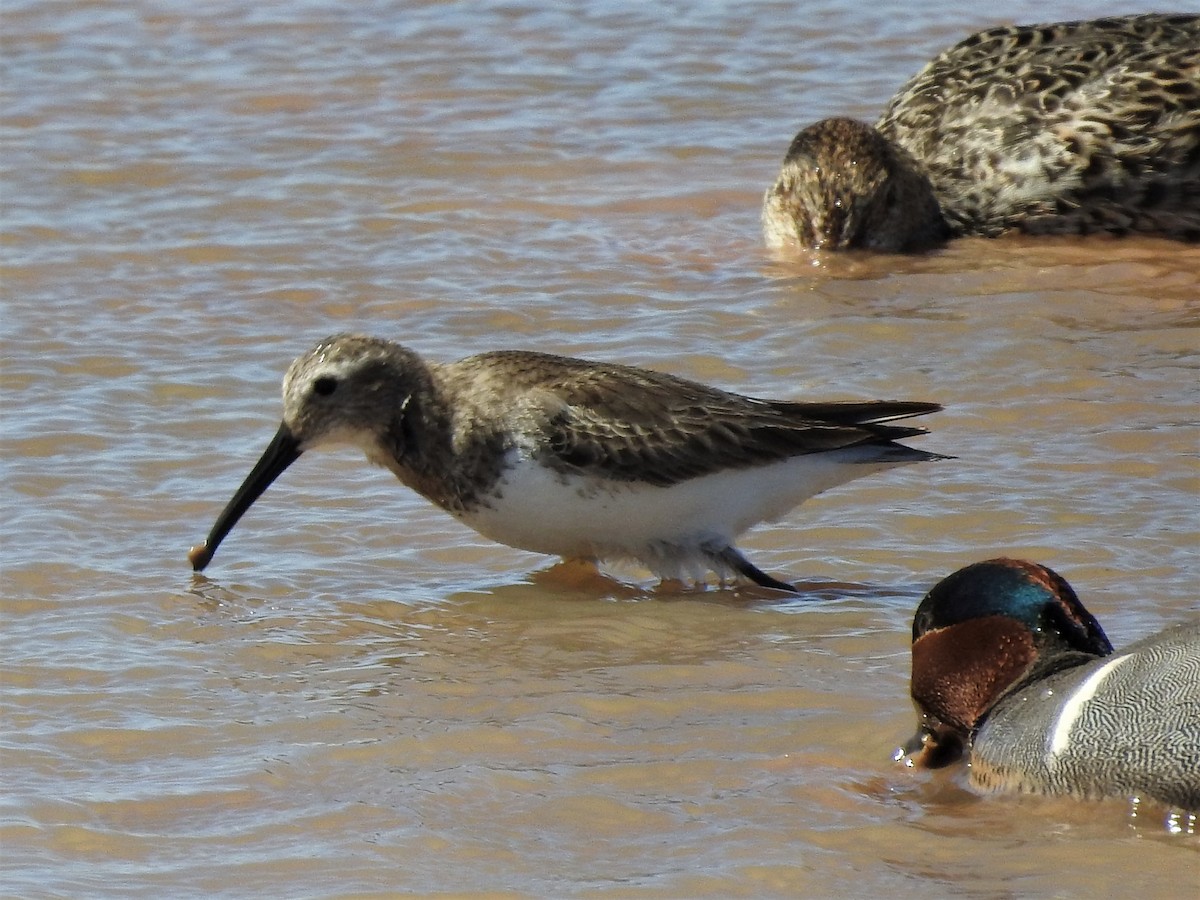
(325, 385)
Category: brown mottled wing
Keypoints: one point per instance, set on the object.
(1065, 127)
(636, 424)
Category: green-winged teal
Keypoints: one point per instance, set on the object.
(1010, 669)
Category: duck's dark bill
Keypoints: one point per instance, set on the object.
(933, 746)
(283, 450)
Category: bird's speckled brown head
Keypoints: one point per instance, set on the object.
(844, 186)
(336, 392)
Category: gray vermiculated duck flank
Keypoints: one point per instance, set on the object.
(1137, 734)
(1073, 127)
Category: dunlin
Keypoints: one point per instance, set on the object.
(1076, 127)
(583, 460)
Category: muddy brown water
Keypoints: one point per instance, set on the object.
(360, 697)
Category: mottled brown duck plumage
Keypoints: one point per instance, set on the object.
(1070, 128)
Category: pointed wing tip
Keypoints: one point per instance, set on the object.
(907, 408)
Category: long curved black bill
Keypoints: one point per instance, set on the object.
(283, 450)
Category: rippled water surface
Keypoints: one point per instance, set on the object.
(362, 697)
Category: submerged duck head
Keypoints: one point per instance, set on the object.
(981, 632)
(844, 186)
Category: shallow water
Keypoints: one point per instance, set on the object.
(360, 696)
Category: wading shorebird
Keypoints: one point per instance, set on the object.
(1069, 128)
(579, 459)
